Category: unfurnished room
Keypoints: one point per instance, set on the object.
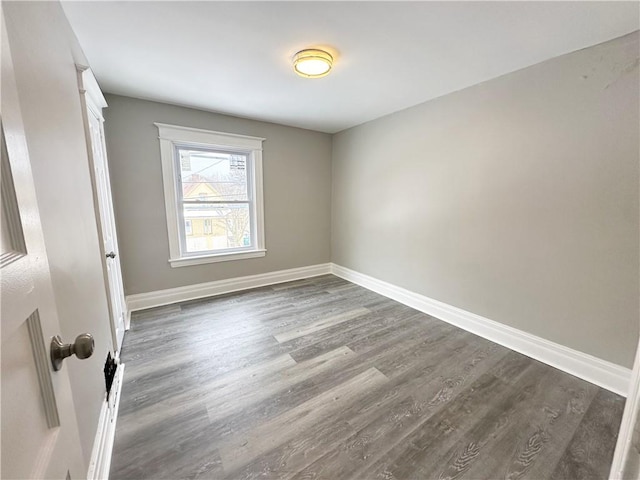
(394, 240)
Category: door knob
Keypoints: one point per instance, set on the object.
(111, 255)
(82, 348)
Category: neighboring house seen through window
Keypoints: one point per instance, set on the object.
(213, 195)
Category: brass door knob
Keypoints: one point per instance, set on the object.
(81, 348)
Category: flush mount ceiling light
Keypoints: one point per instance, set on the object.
(312, 63)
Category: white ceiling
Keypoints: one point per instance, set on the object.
(234, 57)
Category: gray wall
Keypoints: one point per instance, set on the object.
(297, 194)
(44, 52)
(515, 199)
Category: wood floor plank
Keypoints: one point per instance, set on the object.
(524, 424)
(326, 379)
(221, 430)
(590, 451)
(156, 450)
(372, 450)
(541, 433)
(389, 416)
(200, 394)
(485, 405)
(246, 448)
(320, 325)
(354, 332)
(239, 395)
(321, 378)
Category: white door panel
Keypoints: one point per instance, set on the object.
(39, 428)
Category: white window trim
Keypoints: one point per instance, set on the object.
(172, 135)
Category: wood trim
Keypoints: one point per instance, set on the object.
(43, 368)
(158, 298)
(89, 86)
(9, 257)
(92, 100)
(127, 323)
(170, 196)
(629, 419)
(592, 369)
(218, 257)
(100, 462)
(176, 133)
(10, 209)
(172, 135)
(258, 191)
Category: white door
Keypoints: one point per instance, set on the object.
(39, 428)
(93, 102)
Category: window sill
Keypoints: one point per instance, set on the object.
(217, 257)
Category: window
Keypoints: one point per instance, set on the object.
(213, 195)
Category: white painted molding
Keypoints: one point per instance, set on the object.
(177, 133)
(100, 462)
(43, 369)
(158, 298)
(173, 136)
(592, 369)
(217, 257)
(629, 418)
(10, 211)
(89, 86)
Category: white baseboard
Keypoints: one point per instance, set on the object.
(592, 369)
(158, 298)
(100, 462)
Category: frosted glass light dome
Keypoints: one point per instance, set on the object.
(312, 63)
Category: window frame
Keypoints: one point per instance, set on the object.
(173, 137)
(181, 201)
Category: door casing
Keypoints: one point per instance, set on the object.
(93, 102)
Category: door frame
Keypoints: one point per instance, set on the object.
(624, 444)
(91, 98)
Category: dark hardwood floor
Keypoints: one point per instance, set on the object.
(321, 378)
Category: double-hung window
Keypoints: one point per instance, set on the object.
(213, 195)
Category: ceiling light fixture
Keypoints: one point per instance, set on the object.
(312, 63)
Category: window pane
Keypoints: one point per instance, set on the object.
(217, 227)
(213, 176)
